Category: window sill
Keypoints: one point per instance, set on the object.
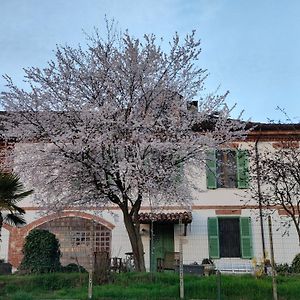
(224, 188)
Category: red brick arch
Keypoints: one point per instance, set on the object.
(7, 226)
(17, 235)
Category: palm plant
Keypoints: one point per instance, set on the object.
(11, 192)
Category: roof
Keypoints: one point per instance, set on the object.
(171, 218)
(273, 131)
(265, 131)
(256, 130)
(273, 126)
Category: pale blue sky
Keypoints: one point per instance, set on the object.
(251, 48)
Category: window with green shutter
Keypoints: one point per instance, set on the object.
(246, 237)
(213, 237)
(242, 169)
(230, 237)
(211, 169)
(227, 169)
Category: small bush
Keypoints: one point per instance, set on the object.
(296, 264)
(41, 252)
(73, 268)
(283, 269)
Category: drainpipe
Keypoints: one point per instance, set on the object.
(260, 202)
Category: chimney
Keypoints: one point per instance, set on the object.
(192, 105)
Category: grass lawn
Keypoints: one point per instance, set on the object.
(145, 286)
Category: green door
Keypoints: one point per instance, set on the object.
(161, 242)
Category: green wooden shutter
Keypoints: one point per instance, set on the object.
(242, 169)
(246, 237)
(211, 169)
(179, 172)
(213, 237)
(110, 180)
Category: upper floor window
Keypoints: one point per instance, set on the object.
(227, 169)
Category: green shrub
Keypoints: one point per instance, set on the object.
(41, 252)
(283, 269)
(73, 268)
(296, 264)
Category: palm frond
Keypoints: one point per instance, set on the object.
(11, 192)
(23, 194)
(10, 183)
(18, 209)
(14, 219)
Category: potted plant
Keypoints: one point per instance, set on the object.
(209, 266)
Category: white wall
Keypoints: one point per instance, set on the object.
(4, 244)
(196, 243)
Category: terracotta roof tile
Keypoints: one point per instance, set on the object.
(174, 217)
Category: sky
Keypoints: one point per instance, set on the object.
(251, 48)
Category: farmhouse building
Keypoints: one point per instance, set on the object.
(221, 221)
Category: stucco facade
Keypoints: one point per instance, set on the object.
(218, 205)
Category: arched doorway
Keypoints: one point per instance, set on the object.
(77, 236)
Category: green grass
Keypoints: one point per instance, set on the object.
(145, 286)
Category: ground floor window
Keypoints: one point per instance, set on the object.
(230, 237)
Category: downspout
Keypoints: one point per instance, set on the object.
(260, 202)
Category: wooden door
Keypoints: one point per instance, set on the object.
(162, 241)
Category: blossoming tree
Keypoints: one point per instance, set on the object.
(110, 124)
(276, 175)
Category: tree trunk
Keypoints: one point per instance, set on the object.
(1, 224)
(293, 217)
(133, 230)
(298, 230)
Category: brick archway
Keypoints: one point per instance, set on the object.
(17, 235)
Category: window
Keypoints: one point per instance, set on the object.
(230, 237)
(227, 169)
